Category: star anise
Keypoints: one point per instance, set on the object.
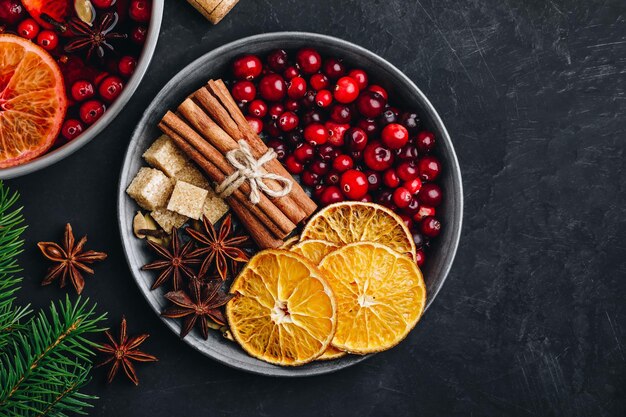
(123, 352)
(93, 37)
(71, 260)
(218, 247)
(201, 303)
(174, 262)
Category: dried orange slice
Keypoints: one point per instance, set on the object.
(380, 296)
(32, 100)
(313, 250)
(351, 221)
(283, 311)
(288, 244)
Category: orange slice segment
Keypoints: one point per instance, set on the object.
(349, 222)
(283, 311)
(32, 100)
(314, 250)
(380, 296)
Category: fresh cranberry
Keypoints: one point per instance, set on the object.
(429, 168)
(334, 68)
(11, 11)
(407, 153)
(126, 65)
(431, 227)
(370, 104)
(277, 60)
(394, 136)
(244, 91)
(336, 133)
(332, 177)
(319, 82)
(28, 29)
(318, 190)
(423, 212)
(326, 152)
(294, 138)
(257, 108)
(407, 220)
(101, 77)
(272, 87)
(425, 141)
(360, 76)
(316, 134)
(419, 240)
(377, 157)
(138, 35)
(291, 72)
(71, 129)
(407, 171)
(346, 90)
(343, 163)
(320, 167)
(140, 10)
(111, 88)
(247, 67)
(276, 110)
(103, 4)
(414, 186)
(48, 40)
(294, 166)
(413, 207)
(323, 98)
(430, 195)
(386, 199)
(402, 197)
(304, 152)
(255, 123)
(308, 60)
(308, 101)
(411, 121)
(309, 178)
(272, 129)
(288, 121)
(354, 184)
(82, 90)
(374, 180)
(420, 257)
(379, 90)
(369, 126)
(297, 88)
(388, 116)
(292, 105)
(279, 147)
(332, 194)
(91, 111)
(391, 179)
(367, 198)
(355, 139)
(312, 116)
(340, 113)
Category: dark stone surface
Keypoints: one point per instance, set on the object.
(532, 320)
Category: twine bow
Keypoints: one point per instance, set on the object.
(250, 169)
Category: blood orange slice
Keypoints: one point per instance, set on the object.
(56, 9)
(32, 101)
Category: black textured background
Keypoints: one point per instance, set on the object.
(532, 319)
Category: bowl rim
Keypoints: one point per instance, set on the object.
(66, 150)
(278, 36)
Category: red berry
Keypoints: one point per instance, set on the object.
(407, 220)
(386, 199)
(272, 87)
(247, 67)
(332, 177)
(407, 153)
(390, 178)
(367, 198)
(110, 88)
(370, 127)
(291, 72)
(323, 98)
(374, 180)
(279, 147)
(423, 212)
(343, 163)
(319, 82)
(103, 4)
(377, 157)
(244, 91)
(327, 152)
(430, 195)
(413, 206)
(255, 123)
(140, 10)
(431, 227)
(379, 90)
(304, 152)
(340, 113)
(332, 194)
(91, 111)
(309, 178)
(425, 141)
(288, 121)
(82, 90)
(71, 129)
(48, 40)
(356, 139)
(316, 134)
(411, 121)
(127, 65)
(334, 68)
(28, 29)
(346, 90)
(370, 104)
(138, 35)
(293, 165)
(429, 168)
(395, 136)
(297, 88)
(337, 132)
(276, 111)
(360, 77)
(257, 108)
(354, 184)
(277, 60)
(407, 171)
(420, 258)
(414, 185)
(11, 11)
(320, 167)
(402, 197)
(292, 105)
(308, 60)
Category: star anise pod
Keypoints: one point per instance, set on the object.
(173, 262)
(200, 303)
(123, 352)
(71, 260)
(93, 37)
(217, 247)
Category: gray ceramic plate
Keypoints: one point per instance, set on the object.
(215, 64)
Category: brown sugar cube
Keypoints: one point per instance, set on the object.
(193, 176)
(214, 10)
(187, 199)
(214, 207)
(168, 219)
(163, 154)
(150, 188)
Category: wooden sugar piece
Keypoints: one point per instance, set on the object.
(213, 10)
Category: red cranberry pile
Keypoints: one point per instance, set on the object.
(337, 131)
(96, 43)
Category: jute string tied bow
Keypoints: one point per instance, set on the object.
(248, 168)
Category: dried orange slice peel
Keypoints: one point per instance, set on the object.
(283, 311)
(314, 250)
(32, 100)
(380, 296)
